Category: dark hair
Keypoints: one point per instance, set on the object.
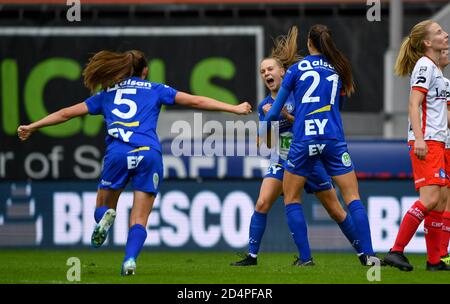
(107, 68)
(320, 36)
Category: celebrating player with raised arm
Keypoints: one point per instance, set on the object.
(272, 70)
(130, 106)
(318, 135)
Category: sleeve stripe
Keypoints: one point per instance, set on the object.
(423, 90)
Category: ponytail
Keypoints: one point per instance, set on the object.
(412, 49)
(107, 68)
(320, 37)
(285, 49)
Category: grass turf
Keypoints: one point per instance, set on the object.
(27, 266)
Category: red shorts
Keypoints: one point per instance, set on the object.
(447, 166)
(431, 170)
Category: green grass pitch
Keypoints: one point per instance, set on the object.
(27, 266)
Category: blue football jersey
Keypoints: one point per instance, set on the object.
(316, 87)
(285, 126)
(131, 109)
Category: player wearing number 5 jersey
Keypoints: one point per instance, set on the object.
(318, 135)
(130, 106)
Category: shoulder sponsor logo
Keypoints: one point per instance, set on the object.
(422, 70)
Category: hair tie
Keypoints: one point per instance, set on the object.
(132, 63)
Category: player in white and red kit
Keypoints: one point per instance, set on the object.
(445, 257)
(418, 57)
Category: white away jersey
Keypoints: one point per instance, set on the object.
(447, 90)
(427, 78)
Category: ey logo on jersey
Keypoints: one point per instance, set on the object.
(120, 133)
(315, 126)
(133, 161)
(316, 149)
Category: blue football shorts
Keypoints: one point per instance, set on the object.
(142, 166)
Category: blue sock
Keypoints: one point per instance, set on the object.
(257, 227)
(99, 212)
(349, 230)
(361, 221)
(135, 241)
(297, 225)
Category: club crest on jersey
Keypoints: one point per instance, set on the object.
(290, 107)
(442, 173)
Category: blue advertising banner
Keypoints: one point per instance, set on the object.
(189, 215)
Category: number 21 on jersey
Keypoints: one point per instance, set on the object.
(316, 80)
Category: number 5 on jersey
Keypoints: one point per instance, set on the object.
(119, 132)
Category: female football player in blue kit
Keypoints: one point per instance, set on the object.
(318, 136)
(130, 106)
(272, 70)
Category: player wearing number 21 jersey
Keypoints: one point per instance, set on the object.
(317, 131)
(318, 135)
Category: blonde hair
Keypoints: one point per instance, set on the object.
(412, 48)
(107, 68)
(285, 49)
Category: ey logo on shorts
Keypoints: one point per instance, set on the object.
(273, 169)
(133, 161)
(346, 160)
